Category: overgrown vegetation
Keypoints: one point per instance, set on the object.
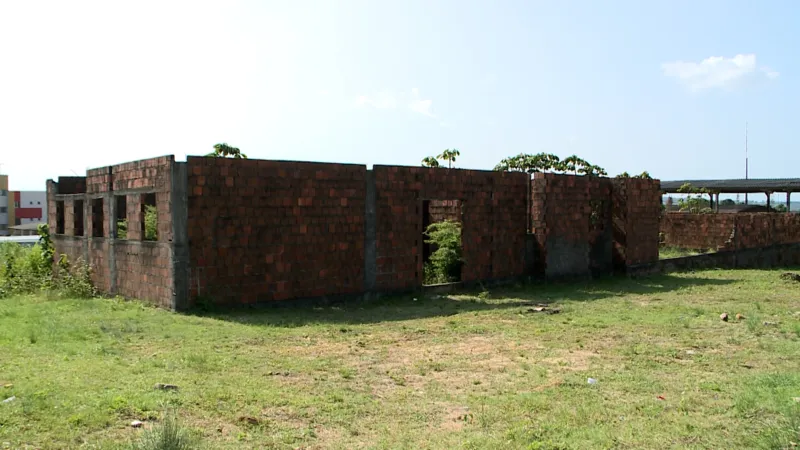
(223, 150)
(32, 269)
(444, 265)
(448, 155)
(547, 162)
(468, 371)
(150, 223)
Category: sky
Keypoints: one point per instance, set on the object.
(662, 86)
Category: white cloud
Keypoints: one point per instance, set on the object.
(383, 100)
(389, 100)
(420, 105)
(716, 71)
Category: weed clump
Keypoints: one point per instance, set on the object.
(27, 270)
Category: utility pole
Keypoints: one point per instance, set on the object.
(746, 161)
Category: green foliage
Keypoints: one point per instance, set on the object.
(448, 155)
(150, 223)
(547, 162)
(122, 229)
(445, 262)
(224, 150)
(694, 204)
(644, 175)
(28, 270)
(430, 161)
(781, 208)
(727, 202)
(169, 434)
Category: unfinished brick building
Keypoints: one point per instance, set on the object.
(238, 231)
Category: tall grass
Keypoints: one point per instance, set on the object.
(25, 270)
(167, 435)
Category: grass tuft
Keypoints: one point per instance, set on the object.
(168, 434)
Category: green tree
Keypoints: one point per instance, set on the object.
(446, 261)
(695, 204)
(224, 150)
(449, 155)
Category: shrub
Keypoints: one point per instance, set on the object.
(27, 270)
(445, 262)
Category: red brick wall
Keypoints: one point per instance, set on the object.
(273, 230)
(98, 259)
(697, 231)
(636, 209)
(573, 210)
(71, 185)
(441, 210)
(143, 269)
(730, 231)
(493, 233)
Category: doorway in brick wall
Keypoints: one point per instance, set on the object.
(442, 248)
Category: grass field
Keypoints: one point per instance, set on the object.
(481, 371)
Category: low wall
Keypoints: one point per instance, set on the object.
(697, 231)
(780, 255)
(729, 231)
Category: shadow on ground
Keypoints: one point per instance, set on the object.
(421, 305)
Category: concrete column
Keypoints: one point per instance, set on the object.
(179, 247)
(370, 235)
(711, 200)
(769, 194)
(716, 201)
(788, 202)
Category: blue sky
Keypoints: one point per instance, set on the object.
(629, 85)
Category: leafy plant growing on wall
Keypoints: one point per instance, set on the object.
(430, 161)
(548, 162)
(448, 155)
(445, 262)
(223, 150)
(644, 175)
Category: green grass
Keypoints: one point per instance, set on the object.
(437, 372)
(676, 252)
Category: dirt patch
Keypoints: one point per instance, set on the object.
(574, 360)
(456, 417)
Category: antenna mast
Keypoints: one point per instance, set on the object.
(746, 160)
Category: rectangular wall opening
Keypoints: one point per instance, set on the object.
(59, 217)
(442, 248)
(77, 215)
(97, 217)
(121, 219)
(149, 217)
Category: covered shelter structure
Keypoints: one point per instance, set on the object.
(742, 186)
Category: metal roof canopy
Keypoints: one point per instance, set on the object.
(756, 186)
